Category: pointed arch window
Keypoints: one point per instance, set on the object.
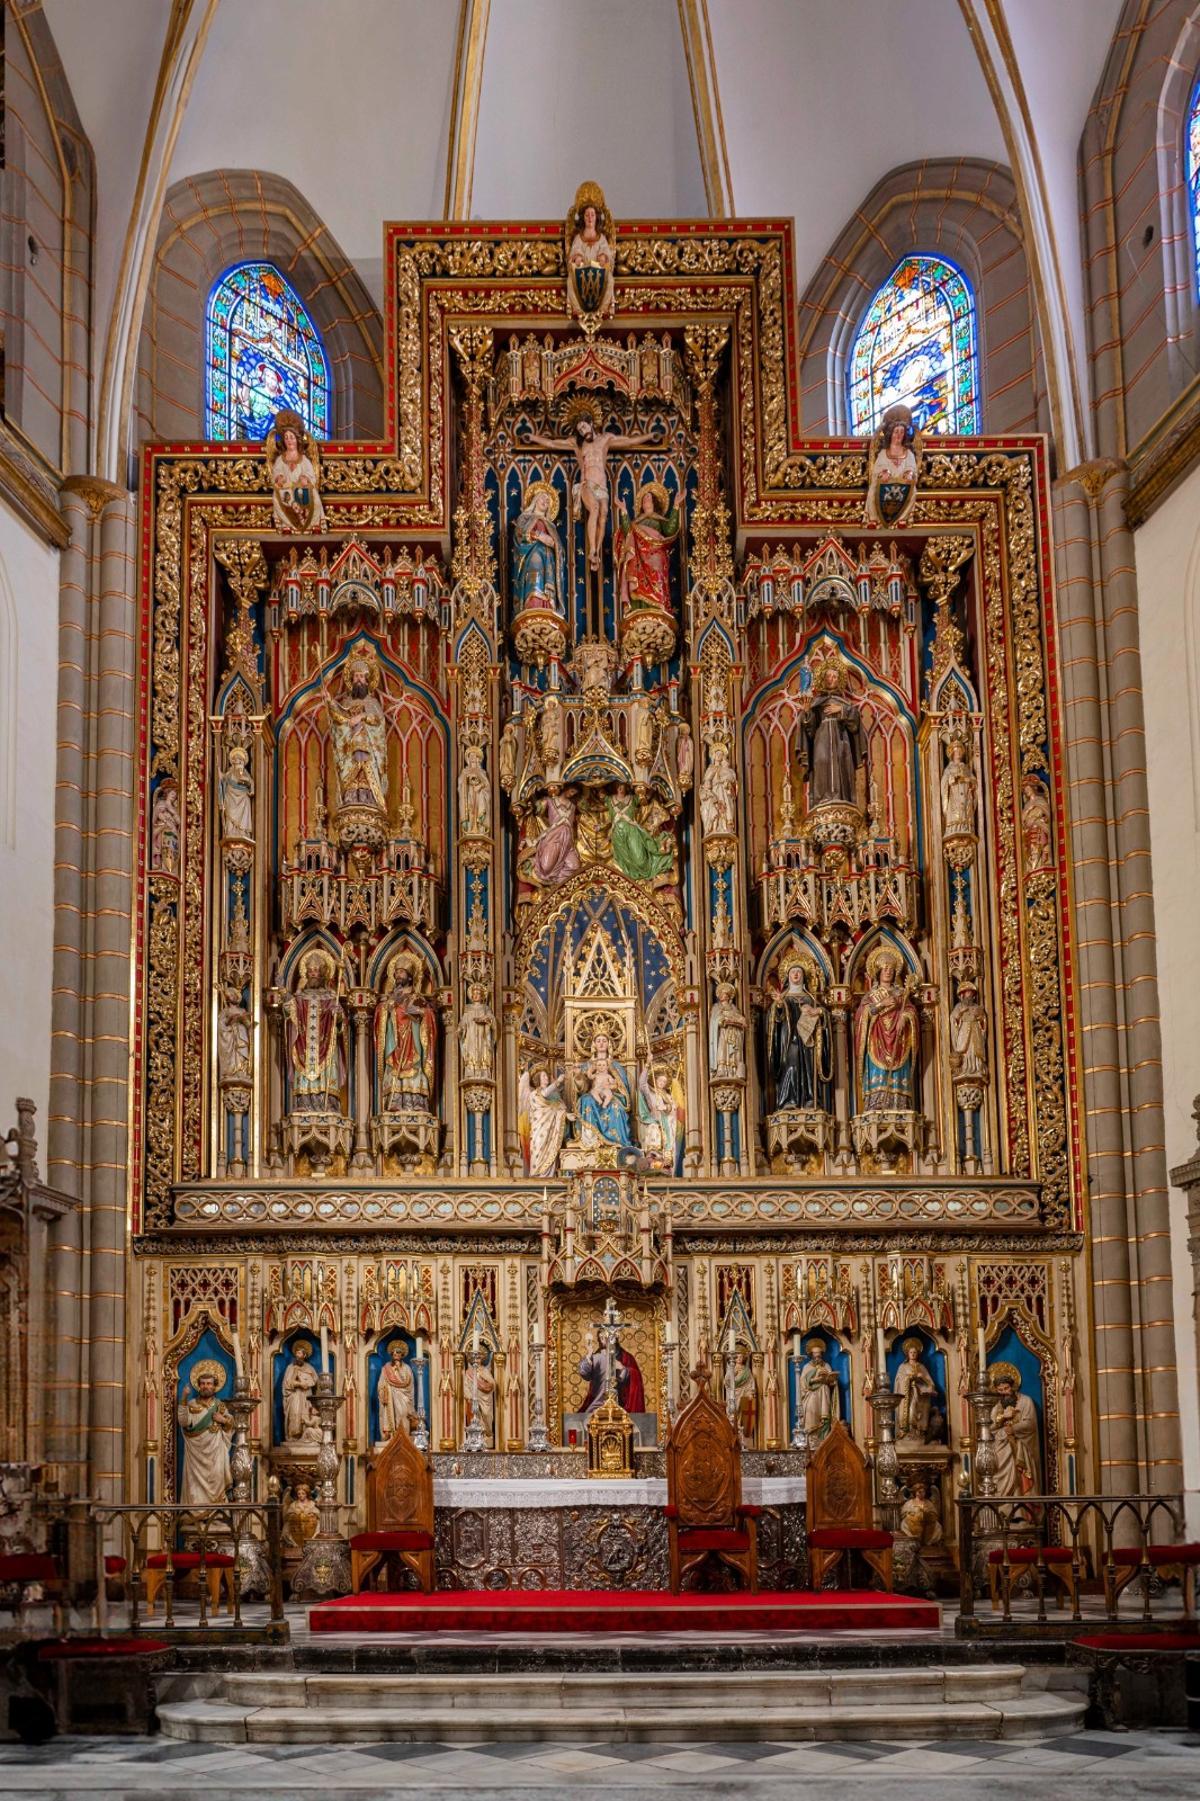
(917, 344)
(262, 352)
(1193, 177)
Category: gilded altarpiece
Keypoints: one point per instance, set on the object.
(599, 862)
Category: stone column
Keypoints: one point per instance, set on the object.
(1187, 1177)
(1136, 1398)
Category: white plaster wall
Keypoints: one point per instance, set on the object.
(1167, 549)
(28, 734)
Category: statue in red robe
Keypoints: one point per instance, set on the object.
(643, 551)
(631, 1390)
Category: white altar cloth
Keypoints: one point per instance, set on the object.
(486, 1492)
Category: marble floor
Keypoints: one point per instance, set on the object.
(1103, 1766)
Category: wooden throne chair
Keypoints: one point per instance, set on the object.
(399, 1516)
(840, 1513)
(705, 1515)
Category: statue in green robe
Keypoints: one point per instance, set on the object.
(637, 852)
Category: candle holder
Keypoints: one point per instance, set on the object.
(420, 1436)
(473, 1439)
(324, 1568)
(799, 1438)
(539, 1437)
(983, 1461)
(884, 1403)
(254, 1572)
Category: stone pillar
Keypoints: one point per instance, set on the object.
(1136, 1399)
(1187, 1177)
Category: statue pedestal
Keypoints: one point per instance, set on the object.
(411, 1137)
(795, 1131)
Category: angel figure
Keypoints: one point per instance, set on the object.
(541, 1119)
(294, 471)
(660, 1119)
(590, 227)
(894, 463)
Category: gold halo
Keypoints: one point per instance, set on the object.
(368, 656)
(592, 1024)
(209, 1366)
(905, 1342)
(885, 953)
(660, 494)
(820, 1344)
(797, 959)
(323, 959)
(577, 407)
(536, 488)
(1004, 1372)
(302, 1344)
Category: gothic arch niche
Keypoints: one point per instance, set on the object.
(966, 211)
(212, 222)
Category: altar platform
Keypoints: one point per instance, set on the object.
(568, 1532)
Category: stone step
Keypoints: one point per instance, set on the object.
(576, 1690)
(648, 1715)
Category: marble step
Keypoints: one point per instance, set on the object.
(643, 1713)
(575, 1690)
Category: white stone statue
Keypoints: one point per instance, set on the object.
(477, 1034)
(474, 795)
(233, 1038)
(237, 796)
(718, 794)
(479, 1393)
(968, 1032)
(540, 1101)
(915, 1416)
(301, 1421)
(359, 731)
(164, 829)
(206, 1426)
(1015, 1434)
(819, 1401)
(726, 1036)
(396, 1394)
(958, 791)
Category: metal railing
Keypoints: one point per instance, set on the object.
(231, 1552)
(1089, 1528)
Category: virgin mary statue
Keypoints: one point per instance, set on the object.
(606, 1103)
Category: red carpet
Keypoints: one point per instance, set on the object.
(623, 1610)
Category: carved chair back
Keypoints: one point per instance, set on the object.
(839, 1483)
(400, 1488)
(704, 1464)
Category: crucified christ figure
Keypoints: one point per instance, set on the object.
(591, 454)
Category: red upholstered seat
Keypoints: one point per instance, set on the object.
(60, 1649)
(411, 1540)
(712, 1538)
(1156, 1555)
(1139, 1641)
(849, 1538)
(29, 1566)
(114, 1566)
(1032, 1554)
(189, 1560)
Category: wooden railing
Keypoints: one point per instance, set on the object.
(231, 1553)
(1088, 1527)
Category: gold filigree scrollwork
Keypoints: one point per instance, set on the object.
(474, 564)
(942, 563)
(712, 566)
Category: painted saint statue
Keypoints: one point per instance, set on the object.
(294, 466)
(537, 556)
(1014, 1434)
(800, 1046)
(541, 1120)
(818, 1398)
(832, 740)
(605, 1104)
(359, 731)
(206, 1424)
(636, 852)
(642, 546)
(405, 1041)
(886, 1036)
(301, 1421)
(660, 1119)
(313, 1021)
(395, 1395)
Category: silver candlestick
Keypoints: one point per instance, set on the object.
(887, 1465)
(539, 1437)
(254, 1572)
(324, 1568)
(983, 1400)
(799, 1441)
(420, 1436)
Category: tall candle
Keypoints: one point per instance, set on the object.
(982, 1339)
(729, 1344)
(796, 1346)
(420, 1347)
(324, 1346)
(537, 1332)
(475, 1342)
(237, 1353)
(880, 1352)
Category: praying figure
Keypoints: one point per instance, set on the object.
(206, 1425)
(474, 795)
(537, 554)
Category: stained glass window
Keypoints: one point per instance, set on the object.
(1193, 176)
(263, 352)
(917, 345)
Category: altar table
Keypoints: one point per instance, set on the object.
(586, 1533)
